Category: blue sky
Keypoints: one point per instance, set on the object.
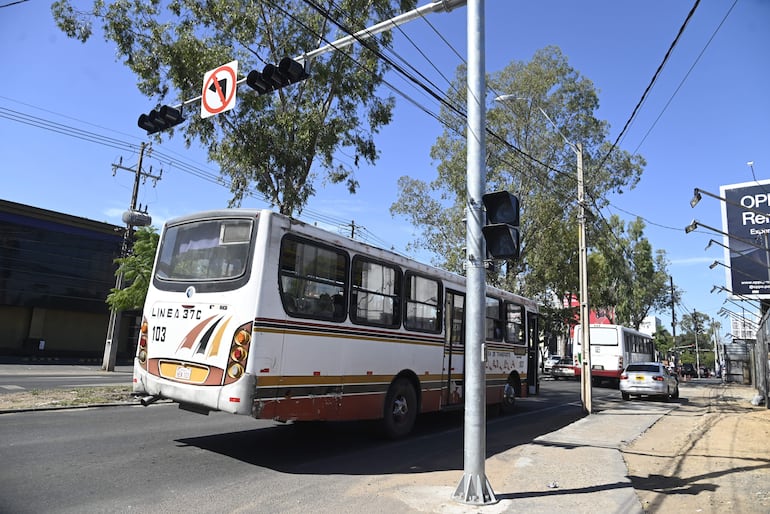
(706, 117)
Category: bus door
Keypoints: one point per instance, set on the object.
(454, 348)
(533, 349)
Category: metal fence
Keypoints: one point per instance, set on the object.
(760, 358)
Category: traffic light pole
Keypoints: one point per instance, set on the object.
(474, 488)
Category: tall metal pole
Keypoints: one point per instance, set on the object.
(474, 488)
(585, 329)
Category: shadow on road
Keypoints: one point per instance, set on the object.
(355, 448)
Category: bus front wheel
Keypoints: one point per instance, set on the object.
(400, 410)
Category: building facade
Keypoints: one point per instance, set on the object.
(56, 271)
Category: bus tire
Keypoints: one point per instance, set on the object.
(510, 392)
(400, 411)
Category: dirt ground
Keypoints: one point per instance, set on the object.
(67, 397)
(710, 455)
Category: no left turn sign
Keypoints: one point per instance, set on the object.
(219, 88)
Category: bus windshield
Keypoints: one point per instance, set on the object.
(205, 250)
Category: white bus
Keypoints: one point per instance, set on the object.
(612, 348)
(251, 312)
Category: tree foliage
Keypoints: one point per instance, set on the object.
(283, 143)
(528, 156)
(625, 275)
(697, 327)
(137, 272)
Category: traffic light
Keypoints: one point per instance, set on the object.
(501, 231)
(160, 119)
(275, 77)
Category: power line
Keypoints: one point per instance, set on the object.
(652, 82)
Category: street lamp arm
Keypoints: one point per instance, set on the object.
(719, 263)
(721, 288)
(695, 224)
(697, 192)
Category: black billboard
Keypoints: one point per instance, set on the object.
(746, 220)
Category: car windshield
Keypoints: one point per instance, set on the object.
(652, 368)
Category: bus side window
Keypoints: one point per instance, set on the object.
(310, 274)
(375, 290)
(423, 303)
(514, 323)
(494, 325)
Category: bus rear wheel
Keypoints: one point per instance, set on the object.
(400, 412)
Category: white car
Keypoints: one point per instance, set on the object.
(648, 379)
(549, 362)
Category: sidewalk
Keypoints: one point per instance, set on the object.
(578, 469)
(57, 366)
(582, 467)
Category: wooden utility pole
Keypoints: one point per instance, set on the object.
(113, 327)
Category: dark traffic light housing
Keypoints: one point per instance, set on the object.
(160, 119)
(501, 232)
(275, 77)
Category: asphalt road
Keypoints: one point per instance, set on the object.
(161, 459)
(21, 377)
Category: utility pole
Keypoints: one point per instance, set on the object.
(673, 319)
(585, 326)
(697, 349)
(131, 219)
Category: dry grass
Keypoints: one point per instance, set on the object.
(69, 397)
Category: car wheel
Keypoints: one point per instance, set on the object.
(400, 411)
(625, 396)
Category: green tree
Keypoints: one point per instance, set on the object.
(664, 342)
(624, 274)
(527, 156)
(283, 143)
(137, 272)
(701, 326)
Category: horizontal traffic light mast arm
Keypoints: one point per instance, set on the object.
(435, 6)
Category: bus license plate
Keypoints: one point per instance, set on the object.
(183, 373)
